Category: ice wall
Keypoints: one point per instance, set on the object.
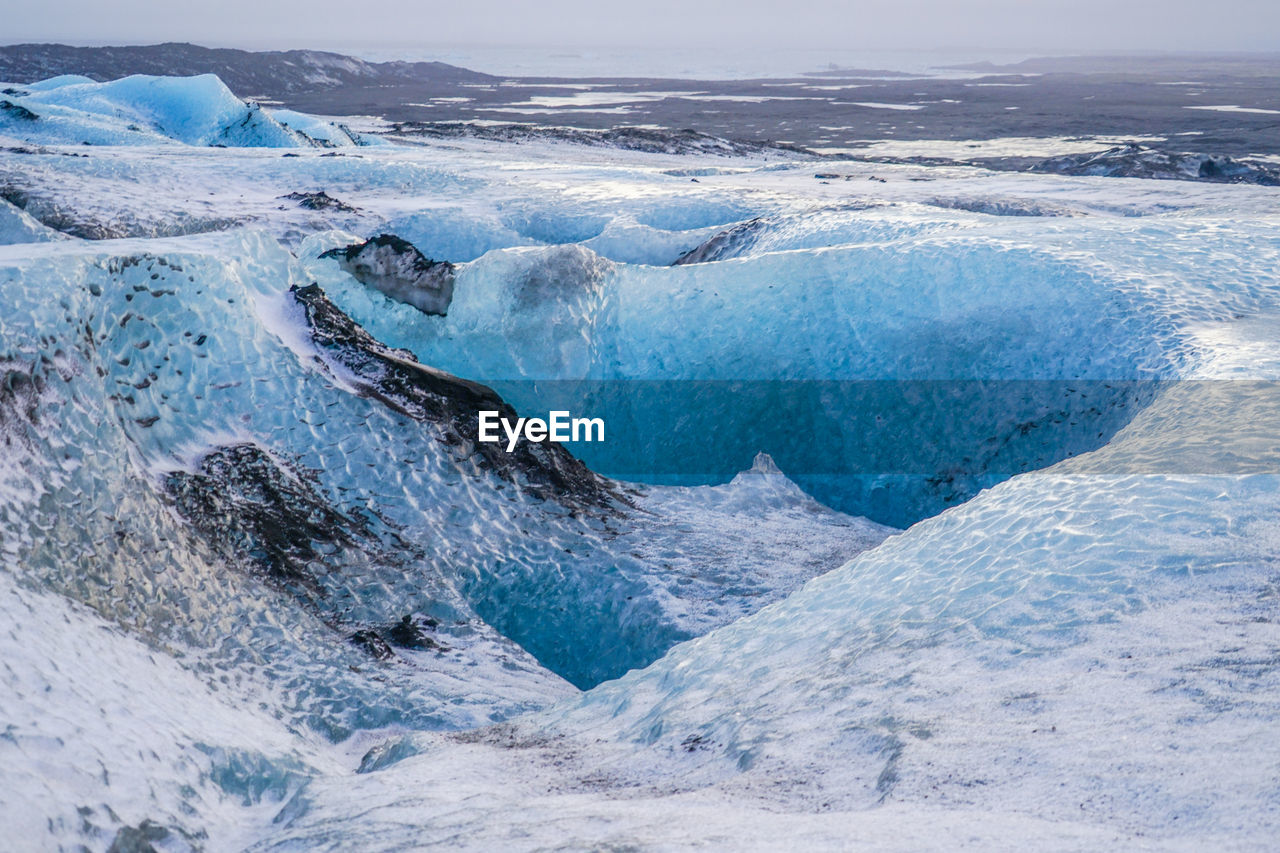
(899, 378)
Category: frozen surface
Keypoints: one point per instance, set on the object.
(146, 110)
(252, 601)
(18, 226)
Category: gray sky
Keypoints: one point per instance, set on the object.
(1024, 26)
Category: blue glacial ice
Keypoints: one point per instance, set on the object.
(148, 110)
(258, 594)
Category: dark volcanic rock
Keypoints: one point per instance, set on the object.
(17, 111)
(645, 139)
(1137, 161)
(726, 244)
(138, 839)
(23, 387)
(263, 514)
(255, 506)
(396, 379)
(319, 201)
(1003, 206)
(408, 634)
(372, 643)
(395, 267)
(266, 73)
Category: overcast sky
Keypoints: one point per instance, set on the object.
(1025, 26)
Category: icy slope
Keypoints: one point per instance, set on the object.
(1103, 589)
(163, 380)
(149, 384)
(234, 473)
(146, 110)
(18, 226)
(92, 746)
(1092, 646)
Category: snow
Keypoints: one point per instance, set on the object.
(1232, 108)
(58, 82)
(876, 105)
(1066, 639)
(1018, 146)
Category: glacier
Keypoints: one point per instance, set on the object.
(920, 524)
(148, 110)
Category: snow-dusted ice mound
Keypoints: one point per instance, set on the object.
(18, 226)
(265, 589)
(147, 110)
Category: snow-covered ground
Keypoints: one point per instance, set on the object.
(254, 600)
